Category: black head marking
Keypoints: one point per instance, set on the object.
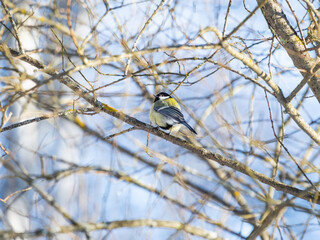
(161, 95)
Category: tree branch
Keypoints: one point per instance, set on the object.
(289, 108)
(113, 225)
(202, 152)
(290, 40)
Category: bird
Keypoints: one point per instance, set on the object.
(165, 112)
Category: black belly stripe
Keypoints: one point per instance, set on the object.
(166, 127)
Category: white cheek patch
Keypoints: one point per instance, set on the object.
(163, 97)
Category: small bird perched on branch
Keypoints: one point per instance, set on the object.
(165, 113)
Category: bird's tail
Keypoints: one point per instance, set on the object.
(189, 127)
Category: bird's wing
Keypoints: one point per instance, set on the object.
(171, 112)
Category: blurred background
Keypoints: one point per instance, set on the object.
(71, 172)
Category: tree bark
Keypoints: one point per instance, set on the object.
(292, 43)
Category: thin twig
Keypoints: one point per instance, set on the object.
(245, 20)
(44, 117)
(298, 24)
(12, 194)
(226, 19)
(120, 133)
(14, 26)
(141, 32)
(284, 147)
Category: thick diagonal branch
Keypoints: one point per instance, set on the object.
(290, 40)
